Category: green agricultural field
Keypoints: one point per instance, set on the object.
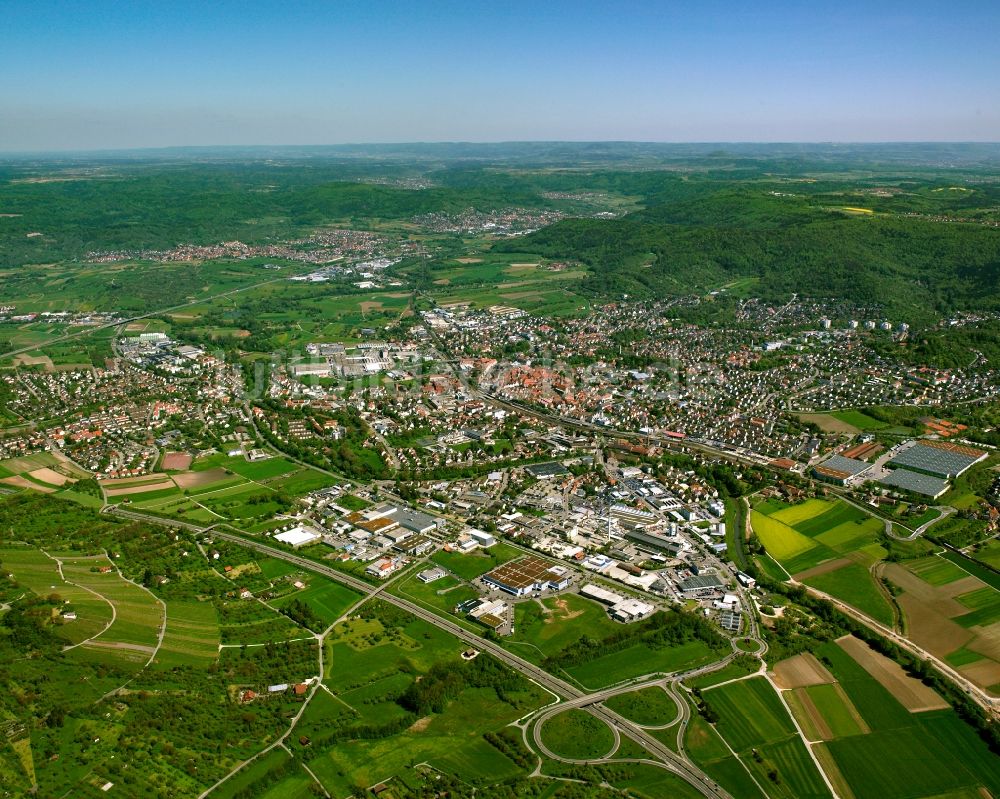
(273, 568)
(793, 515)
(984, 607)
(301, 482)
(578, 735)
(39, 573)
(781, 541)
(138, 615)
(936, 570)
(769, 506)
(837, 514)
(750, 713)
(859, 420)
(192, 636)
(707, 749)
(853, 584)
(649, 706)
(985, 574)
(327, 599)
(835, 709)
(798, 777)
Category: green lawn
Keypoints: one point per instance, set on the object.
(650, 706)
(578, 735)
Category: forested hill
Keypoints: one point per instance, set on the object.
(911, 261)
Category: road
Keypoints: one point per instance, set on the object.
(558, 687)
(120, 322)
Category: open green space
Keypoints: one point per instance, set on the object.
(649, 706)
(577, 735)
(476, 563)
(326, 599)
(192, 636)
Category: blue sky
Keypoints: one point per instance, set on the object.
(147, 73)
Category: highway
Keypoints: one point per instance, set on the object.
(569, 695)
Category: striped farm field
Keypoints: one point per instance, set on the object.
(750, 713)
(192, 636)
(138, 615)
(39, 573)
(936, 571)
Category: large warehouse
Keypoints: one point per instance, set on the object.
(522, 576)
(939, 458)
(916, 482)
(840, 470)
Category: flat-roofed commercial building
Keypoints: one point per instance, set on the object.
(938, 458)
(522, 576)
